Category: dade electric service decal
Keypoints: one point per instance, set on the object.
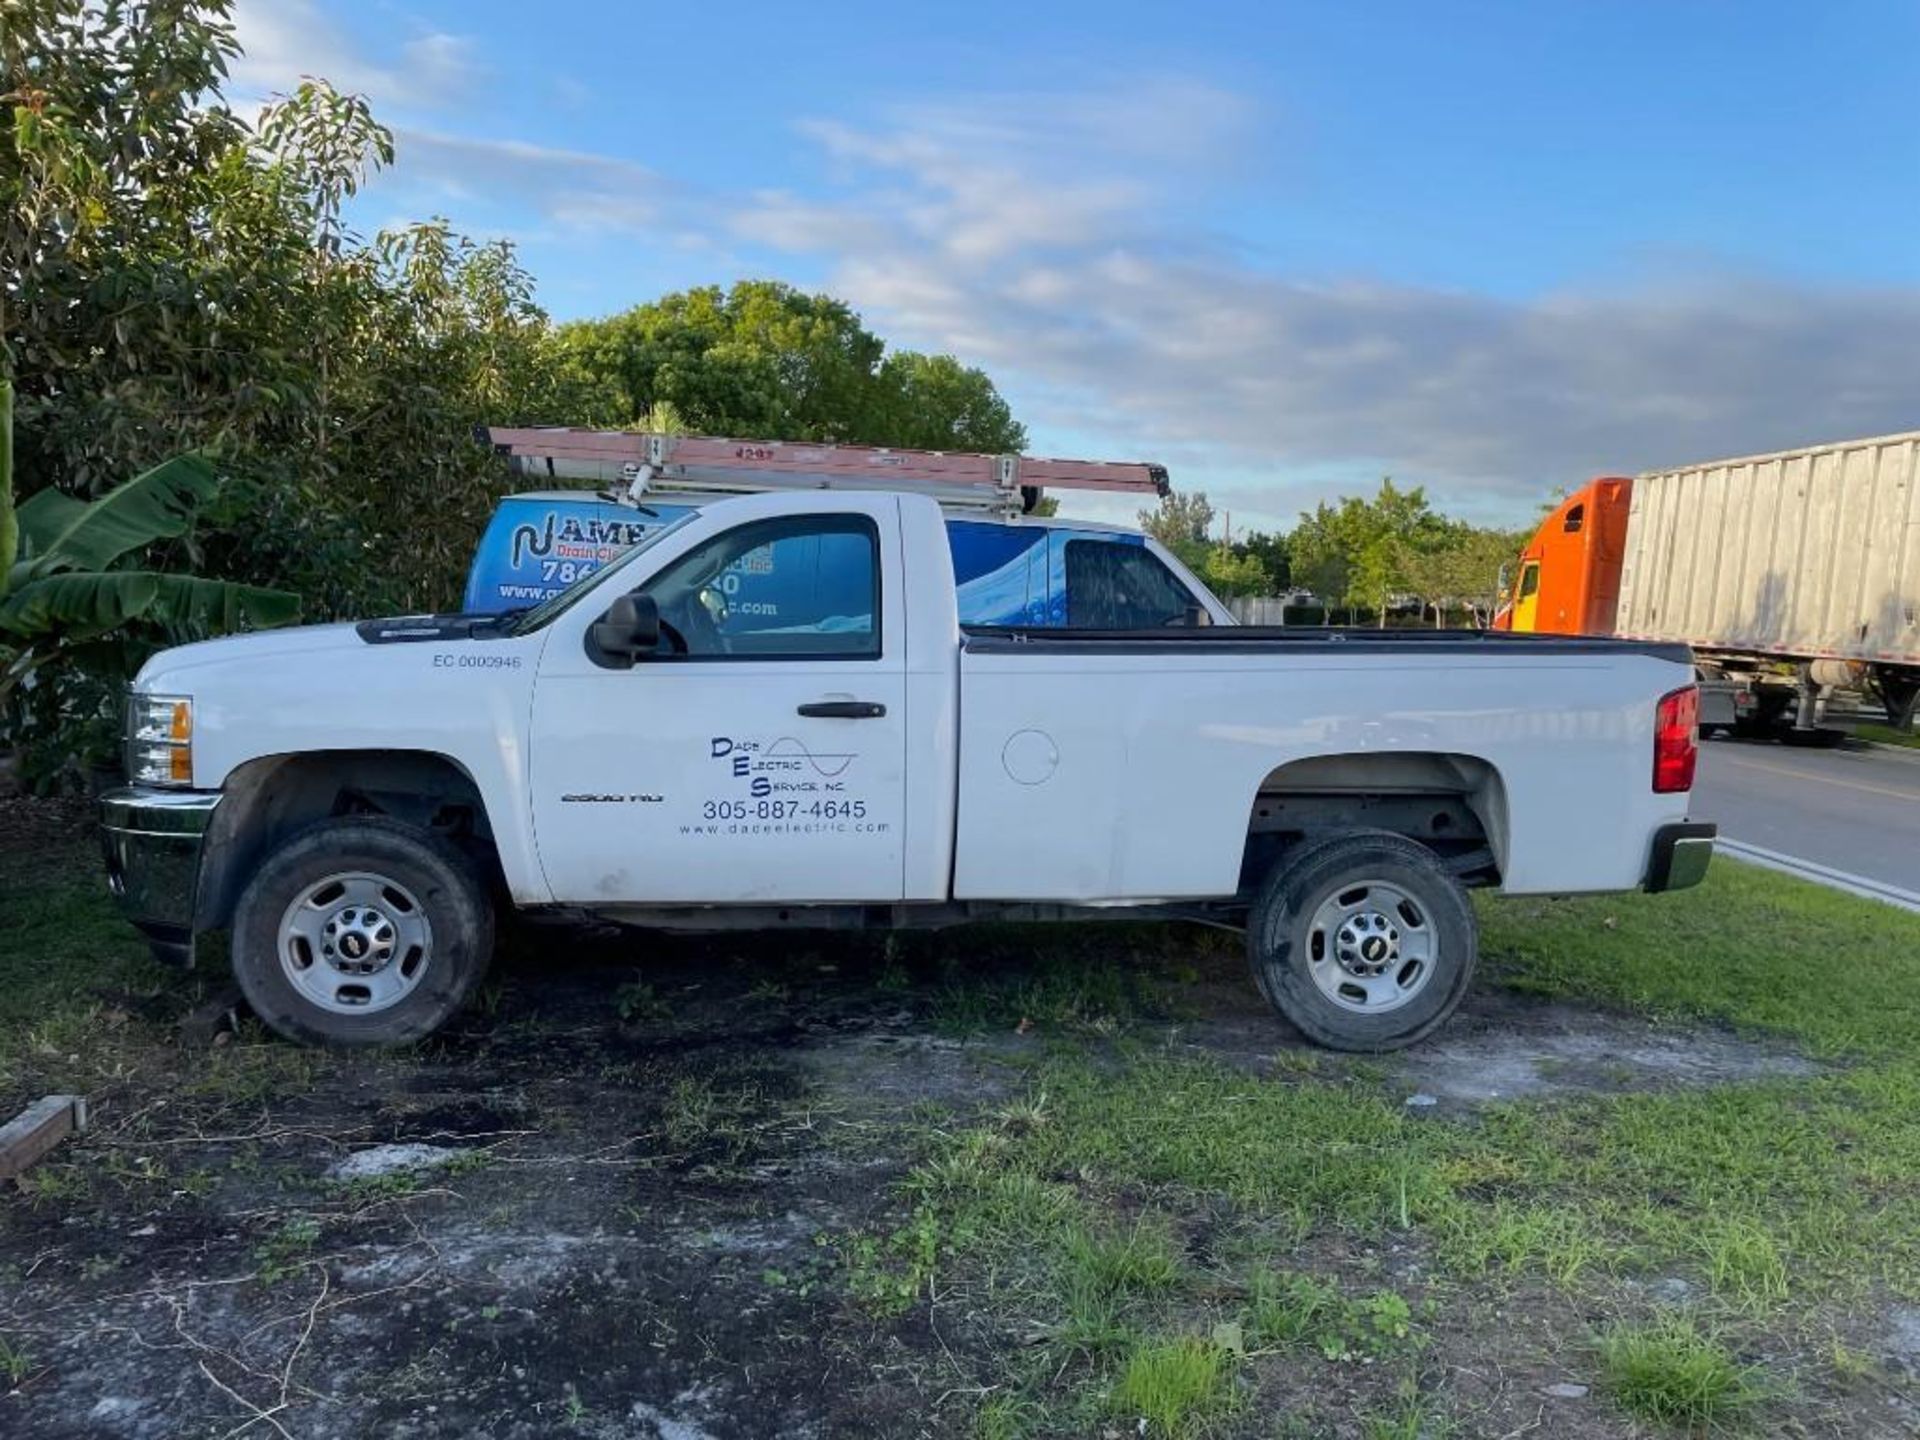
(782, 787)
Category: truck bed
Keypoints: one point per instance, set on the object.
(1098, 765)
(1310, 640)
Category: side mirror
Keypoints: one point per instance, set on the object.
(629, 629)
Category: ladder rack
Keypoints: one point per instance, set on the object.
(639, 462)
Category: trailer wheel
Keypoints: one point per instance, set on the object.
(1363, 941)
(362, 931)
(1820, 738)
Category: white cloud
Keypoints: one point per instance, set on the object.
(570, 190)
(1050, 237)
(1044, 242)
(285, 40)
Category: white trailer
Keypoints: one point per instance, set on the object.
(1790, 574)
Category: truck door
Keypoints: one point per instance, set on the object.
(1526, 601)
(760, 755)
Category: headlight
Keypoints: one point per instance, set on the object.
(160, 740)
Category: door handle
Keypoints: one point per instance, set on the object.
(843, 710)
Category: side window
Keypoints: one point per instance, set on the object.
(1576, 517)
(803, 586)
(997, 570)
(1529, 579)
(1115, 586)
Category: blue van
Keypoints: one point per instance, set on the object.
(1024, 573)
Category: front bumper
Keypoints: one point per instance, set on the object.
(153, 840)
(1681, 852)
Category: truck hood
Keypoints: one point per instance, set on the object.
(159, 672)
(175, 669)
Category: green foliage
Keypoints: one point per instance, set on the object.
(1254, 566)
(1458, 568)
(636, 1001)
(1181, 523)
(287, 1251)
(1173, 1385)
(1273, 553)
(1356, 553)
(15, 1363)
(199, 290)
(9, 516)
(61, 603)
(1670, 1371)
(1303, 1310)
(1140, 1258)
(1746, 934)
(1888, 735)
(763, 360)
(175, 281)
(1394, 549)
(888, 1273)
(933, 402)
(58, 532)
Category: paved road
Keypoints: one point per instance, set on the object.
(1855, 810)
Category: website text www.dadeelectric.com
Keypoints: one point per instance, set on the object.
(796, 829)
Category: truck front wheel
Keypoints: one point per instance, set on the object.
(361, 931)
(1363, 941)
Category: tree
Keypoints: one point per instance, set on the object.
(1317, 554)
(175, 281)
(764, 360)
(64, 593)
(1229, 572)
(1181, 522)
(933, 402)
(1272, 553)
(1460, 571)
(1180, 519)
(1356, 553)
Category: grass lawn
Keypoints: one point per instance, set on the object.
(1887, 735)
(1779, 1210)
(1146, 1224)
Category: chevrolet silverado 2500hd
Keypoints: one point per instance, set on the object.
(352, 801)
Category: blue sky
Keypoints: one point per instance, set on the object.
(1490, 248)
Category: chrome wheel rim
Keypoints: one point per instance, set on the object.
(1371, 947)
(355, 943)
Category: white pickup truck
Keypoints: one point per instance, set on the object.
(353, 801)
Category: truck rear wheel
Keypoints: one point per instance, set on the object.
(1363, 941)
(361, 931)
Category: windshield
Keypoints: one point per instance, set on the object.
(553, 606)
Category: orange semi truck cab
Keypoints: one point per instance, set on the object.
(1568, 582)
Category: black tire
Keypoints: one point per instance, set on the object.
(451, 895)
(1820, 738)
(1280, 938)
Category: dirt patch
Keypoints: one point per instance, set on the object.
(552, 1221)
(1507, 1048)
(1504, 1046)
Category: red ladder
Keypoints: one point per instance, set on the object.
(708, 462)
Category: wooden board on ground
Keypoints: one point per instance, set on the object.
(37, 1129)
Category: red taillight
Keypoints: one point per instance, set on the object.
(1676, 741)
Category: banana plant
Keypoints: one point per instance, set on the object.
(59, 591)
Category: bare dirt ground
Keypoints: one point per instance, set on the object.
(617, 1200)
